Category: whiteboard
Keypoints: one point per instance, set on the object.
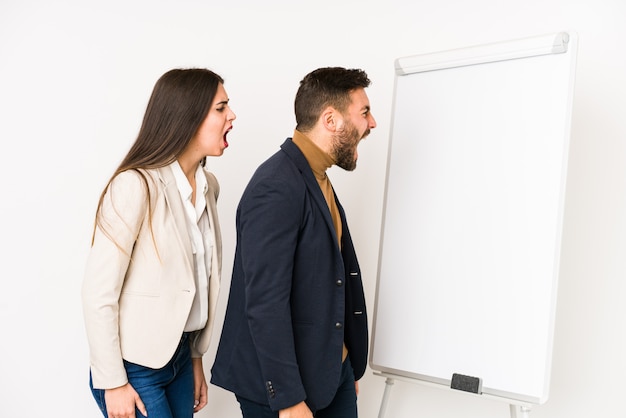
(471, 230)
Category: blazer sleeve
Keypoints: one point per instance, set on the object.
(269, 221)
(123, 210)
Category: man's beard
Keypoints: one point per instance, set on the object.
(344, 146)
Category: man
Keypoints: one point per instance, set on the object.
(294, 341)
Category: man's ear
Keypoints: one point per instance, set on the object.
(331, 119)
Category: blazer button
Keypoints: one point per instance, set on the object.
(339, 282)
(338, 325)
(270, 389)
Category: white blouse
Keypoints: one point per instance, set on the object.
(201, 243)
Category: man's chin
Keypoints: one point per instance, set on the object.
(348, 166)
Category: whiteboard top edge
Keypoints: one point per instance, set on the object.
(554, 43)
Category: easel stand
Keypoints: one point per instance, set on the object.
(518, 409)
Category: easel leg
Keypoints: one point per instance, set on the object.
(383, 405)
(519, 411)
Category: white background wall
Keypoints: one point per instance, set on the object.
(75, 77)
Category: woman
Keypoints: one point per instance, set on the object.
(152, 276)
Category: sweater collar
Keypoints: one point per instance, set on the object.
(315, 156)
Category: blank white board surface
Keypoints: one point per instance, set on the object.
(470, 241)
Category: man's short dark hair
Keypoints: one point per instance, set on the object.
(329, 86)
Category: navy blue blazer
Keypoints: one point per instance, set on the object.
(295, 296)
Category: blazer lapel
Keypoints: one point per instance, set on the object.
(300, 161)
(175, 204)
(211, 199)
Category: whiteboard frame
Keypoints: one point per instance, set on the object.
(554, 43)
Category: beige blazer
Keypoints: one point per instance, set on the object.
(139, 286)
